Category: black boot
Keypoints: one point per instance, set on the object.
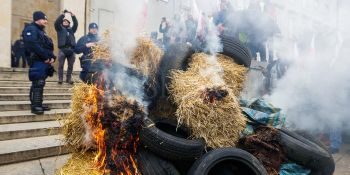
(46, 107)
(37, 90)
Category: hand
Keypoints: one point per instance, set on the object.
(49, 61)
(52, 61)
(71, 14)
(88, 45)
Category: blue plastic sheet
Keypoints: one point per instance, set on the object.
(293, 169)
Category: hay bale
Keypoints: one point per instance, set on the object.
(75, 129)
(234, 75)
(102, 50)
(80, 164)
(146, 57)
(218, 121)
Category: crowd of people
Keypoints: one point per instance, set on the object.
(252, 26)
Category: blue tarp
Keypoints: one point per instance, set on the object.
(293, 169)
(263, 113)
(260, 112)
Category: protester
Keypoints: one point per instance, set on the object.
(66, 44)
(164, 29)
(84, 46)
(40, 47)
(191, 29)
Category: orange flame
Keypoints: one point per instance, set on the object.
(123, 160)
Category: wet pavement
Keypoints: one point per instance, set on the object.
(342, 160)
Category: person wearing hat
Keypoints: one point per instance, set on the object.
(84, 46)
(66, 43)
(40, 47)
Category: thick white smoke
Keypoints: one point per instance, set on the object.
(128, 25)
(315, 91)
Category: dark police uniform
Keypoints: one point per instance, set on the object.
(40, 48)
(86, 59)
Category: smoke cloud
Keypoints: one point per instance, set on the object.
(315, 90)
(128, 24)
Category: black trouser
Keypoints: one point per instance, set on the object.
(61, 59)
(18, 57)
(36, 93)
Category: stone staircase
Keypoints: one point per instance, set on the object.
(23, 135)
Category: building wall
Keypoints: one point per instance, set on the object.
(5, 31)
(22, 11)
(105, 13)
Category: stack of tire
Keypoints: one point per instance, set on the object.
(168, 149)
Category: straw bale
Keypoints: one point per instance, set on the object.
(80, 164)
(219, 123)
(102, 50)
(146, 57)
(234, 75)
(75, 129)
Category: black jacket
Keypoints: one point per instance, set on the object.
(65, 36)
(37, 42)
(85, 60)
(81, 45)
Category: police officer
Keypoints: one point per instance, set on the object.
(40, 48)
(84, 46)
(66, 44)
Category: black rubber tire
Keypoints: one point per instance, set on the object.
(167, 124)
(233, 48)
(305, 152)
(169, 146)
(150, 164)
(310, 137)
(228, 161)
(176, 57)
(170, 126)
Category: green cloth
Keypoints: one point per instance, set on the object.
(243, 37)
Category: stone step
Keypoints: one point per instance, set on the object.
(8, 117)
(23, 76)
(24, 97)
(44, 166)
(19, 150)
(25, 105)
(26, 130)
(29, 83)
(25, 90)
(19, 69)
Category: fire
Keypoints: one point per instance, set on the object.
(116, 125)
(211, 95)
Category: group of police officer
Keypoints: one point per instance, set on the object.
(39, 48)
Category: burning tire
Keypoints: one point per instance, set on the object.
(150, 164)
(163, 139)
(305, 151)
(227, 161)
(233, 48)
